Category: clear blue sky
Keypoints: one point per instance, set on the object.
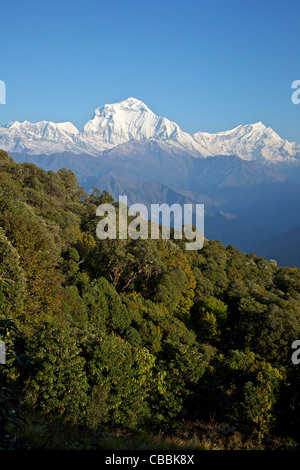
(208, 65)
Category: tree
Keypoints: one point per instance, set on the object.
(210, 319)
(120, 379)
(12, 277)
(252, 386)
(59, 390)
(176, 288)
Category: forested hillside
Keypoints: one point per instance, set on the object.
(128, 338)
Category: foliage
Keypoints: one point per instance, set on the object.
(138, 334)
(59, 388)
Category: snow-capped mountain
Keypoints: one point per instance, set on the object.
(131, 120)
(251, 142)
(38, 138)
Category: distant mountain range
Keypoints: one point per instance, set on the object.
(248, 178)
(130, 121)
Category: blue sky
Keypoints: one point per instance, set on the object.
(207, 65)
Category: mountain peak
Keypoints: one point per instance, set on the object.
(132, 101)
(128, 105)
(131, 120)
(258, 126)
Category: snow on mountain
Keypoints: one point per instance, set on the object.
(251, 142)
(131, 120)
(37, 138)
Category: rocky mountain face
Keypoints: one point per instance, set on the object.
(248, 177)
(130, 121)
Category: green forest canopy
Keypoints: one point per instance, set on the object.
(141, 334)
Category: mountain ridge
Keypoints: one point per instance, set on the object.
(131, 120)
